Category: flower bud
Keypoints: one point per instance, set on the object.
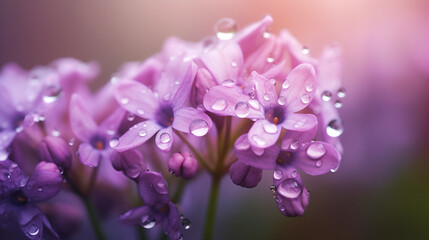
(55, 149)
(130, 162)
(182, 165)
(245, 175)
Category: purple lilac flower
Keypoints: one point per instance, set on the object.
(20, 194)
(157, 209)
(95, 138)
(164, 107)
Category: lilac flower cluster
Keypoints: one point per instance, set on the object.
(239, 103)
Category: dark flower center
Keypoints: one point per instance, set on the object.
(275, 114)
(18, 120)
(98, 142)
(164, 116)
(18, 198)
(284, 158)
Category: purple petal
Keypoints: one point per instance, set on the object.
(204, 80)
(329, 69)
(49, 232)
(136, 98)
(171, 223)
(30, 219)
(244, 153)
(10, 177)
(146, 73)
(44, 183)
(245, 175)
(182, 165)
(81, 122)
(113, 122)
(264, 134)
(224, 61)
(231, 101)
(55, 149)
(137, 135)
(153, 188)
(131, 162)
(187, 117)
(6, 138)
(250, 36)
(134, 216)
(164, 139)
(317, 158)
(299, 87)
(265, 90)
(298, 56)
(88, 155)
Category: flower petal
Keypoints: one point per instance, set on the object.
(183, 118)
(164, 139)
(299, 87)
(113, 122)
(30, 219)
(244, 153)
(227, 100)
(245, 175)
(10, 177)
(81, 121)
(250, 36)
(265, 90)
(137, 135)
(134, 216)
(6, 138)
(44, 183)
(171, 223)
(153, 188)
(298, 56)
(136, 98)
(264, 134)
(317, 158)
(88, 155)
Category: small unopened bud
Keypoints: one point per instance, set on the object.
(131, 162)
(245, 175)
(55, 150)
(183, 165)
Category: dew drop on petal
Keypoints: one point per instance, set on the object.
(39, 189)
(259, 141)
(286, 84)
(294, 174)
(165, 138)
(225, 28)
(316, 150)
(334, 128)
(142, 133)
(72, 141)
(266, 35)
(300, 123)
(305, 98)
(305, 50)
(254, 103)
(326, 96)
(338, 104)
(130, 116)
(294, 145)
(273, 188)
(3, 155)
(270, 59)
(319, 163)
(309, 87)
(242, 144)
(23, 181)
(341, 93)
(125, 100)
(33, 230)
(114, 142)
(278, 174)
(186, 223)
(281, 100)
(52, 93)
(219, 105)
(290, 188)
(228, 83)
(270, 128)
(234, 63)
(266, 97)
(258, 151)
(198, 127)
(242, 109)
(55, 133)
(140, 111)
(148, 222)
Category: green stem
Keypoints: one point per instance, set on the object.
(194, 151)
(226, 139)
(178, 194)
(94, 219)
(211, 209)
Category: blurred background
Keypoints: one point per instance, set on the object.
(382, 188)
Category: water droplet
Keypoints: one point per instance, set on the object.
(186, 223)
(71, 141)
(273, 188)
(334, 128)
(326, 96)
(242, 144)
(338, 104)
(305, 98)
(294, 145)
(165, 138)
(270, 59)
(19, 129)
(294, 174)
(266, 97)
(281, 100)
(3, 155)
(142, 133)
(259, 141)
(130, 116)
(125, 100)
(51, 93)
(254, 103)
(273, 81)
(39, 189)
(278, 174)
(148, 222)
(228, 83)
(316, 150)
(305, 50)
(270, 128)
(290, 188)
(286, 84)
(242, 109)
(341, 93)
(114, 79)
(309, 87)
(300, 123)
(171, 172)
(319, 163)
(225, 28)
(219, 105)
(234, 63)
(266, 35)
(258, 151)
(198, 127)
(23, 181)
(114, 142)
(33, 230)
(56, 133)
